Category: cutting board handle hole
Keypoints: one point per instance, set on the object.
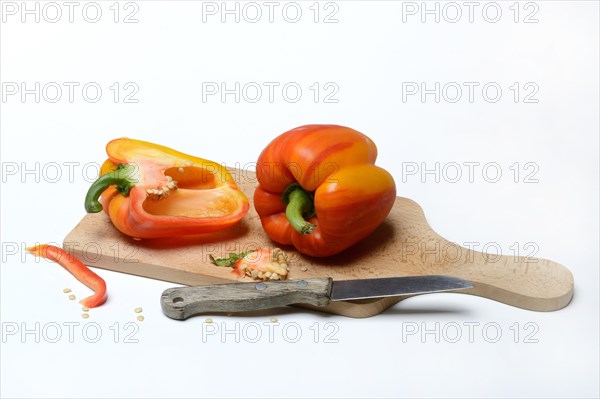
(177, 299)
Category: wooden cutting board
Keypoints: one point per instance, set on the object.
(404, 245)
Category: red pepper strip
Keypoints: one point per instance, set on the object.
(77, 269)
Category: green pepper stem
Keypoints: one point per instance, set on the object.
(299, 207)
(121, 177)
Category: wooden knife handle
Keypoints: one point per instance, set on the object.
(182, 302)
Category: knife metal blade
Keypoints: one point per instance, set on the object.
(182, 302)
(345, 290)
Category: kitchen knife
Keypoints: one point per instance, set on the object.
(183, 302)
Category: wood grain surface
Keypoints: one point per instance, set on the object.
(182, 302)
(404, 245)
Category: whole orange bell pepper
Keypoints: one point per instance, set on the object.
(151, 191)
(320, 190)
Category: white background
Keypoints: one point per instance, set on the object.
(367, 54)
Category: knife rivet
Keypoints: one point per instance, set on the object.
(261, 286)
(302, 284)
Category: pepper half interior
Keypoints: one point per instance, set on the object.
(199, 194)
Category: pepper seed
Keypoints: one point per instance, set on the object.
(273, 319)
(67, 290)
(138, 310)
(85, 309)
(72, 297)
(85, 315)
(140, 318)
(208, 321)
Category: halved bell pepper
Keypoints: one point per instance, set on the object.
(151, 191)
(320, 190)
